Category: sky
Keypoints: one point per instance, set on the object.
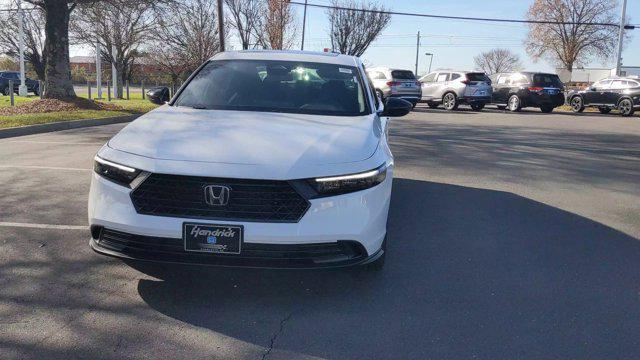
(454, 43)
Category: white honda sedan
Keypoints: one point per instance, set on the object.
(262, 159)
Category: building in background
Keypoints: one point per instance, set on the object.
(585, 76)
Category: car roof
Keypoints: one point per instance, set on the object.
(382, 68)
(289, 55)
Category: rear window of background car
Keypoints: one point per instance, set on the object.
(403, 75)
(477, 77)
(547, 80)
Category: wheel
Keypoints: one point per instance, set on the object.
(6, 91)
(378, 264)
(625, 106)
(379, 93)
(477, 106)
(413, 105)
(577, 105)
(36, 92)
(546, 108)
(450, 101)
(514, 103)
(604, 110)
(433, 105)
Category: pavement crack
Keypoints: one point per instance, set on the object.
(272, 341)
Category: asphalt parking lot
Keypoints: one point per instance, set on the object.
(512, 236)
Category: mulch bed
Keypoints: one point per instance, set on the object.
(52, 105)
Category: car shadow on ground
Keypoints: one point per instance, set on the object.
(470, 273)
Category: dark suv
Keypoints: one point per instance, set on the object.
(611, 93)
(527, 89)
(6, 76)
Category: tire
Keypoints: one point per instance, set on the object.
(450, 101)
(625, 107)
(413, 105)
(515, 104)
(477, 106)
(604, 110)
(36, 92)
(378, 264)
(577, 105)
(433, 105)
(6, 91)
(546, 109)
(380, 95)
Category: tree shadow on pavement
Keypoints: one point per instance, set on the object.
(470, 273)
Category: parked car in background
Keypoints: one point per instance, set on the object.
(395, 83)
(452, 88)
(518, 90)
(6, 76)
(622, 94)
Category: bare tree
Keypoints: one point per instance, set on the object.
(186, 39)
(497, 61)
(278, 25)
(124, 24)
(574, 44)
(245, 16)
(352, 31)
(33, 36)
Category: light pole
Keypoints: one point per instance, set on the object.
(22, 89)
(430, 61)
(304, 23)
(417, 52)
(621, 37)
(221, 24)
(114, 71)
(98, 69)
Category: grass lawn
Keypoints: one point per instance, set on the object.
(134, 106)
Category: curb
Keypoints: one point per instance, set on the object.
(63, 125)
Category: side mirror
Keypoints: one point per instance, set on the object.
(396, 107)
(158, 95)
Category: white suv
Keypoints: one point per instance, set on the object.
(452, 88)
(262, 159)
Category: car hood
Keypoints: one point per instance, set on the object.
(252, 138)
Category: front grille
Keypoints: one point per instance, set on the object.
(249, 200)
(261, 255)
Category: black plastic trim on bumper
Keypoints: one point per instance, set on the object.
(170, 255)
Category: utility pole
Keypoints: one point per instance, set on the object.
(304, 23)
(417, 53)
(621, 37)
(221, 24)
(114, 71)
(22, 89)
(98, 69)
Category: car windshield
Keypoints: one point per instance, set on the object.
(547, 80)
(402, 75)
(276, 86)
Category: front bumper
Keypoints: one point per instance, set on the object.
(354, 224)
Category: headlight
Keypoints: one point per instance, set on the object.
(117, 173)
(336, 185)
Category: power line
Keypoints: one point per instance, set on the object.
(521, 21)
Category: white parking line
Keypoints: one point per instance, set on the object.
(43, 226)
(43, 167)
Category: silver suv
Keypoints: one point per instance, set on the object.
(395, 83)
(452, 88)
